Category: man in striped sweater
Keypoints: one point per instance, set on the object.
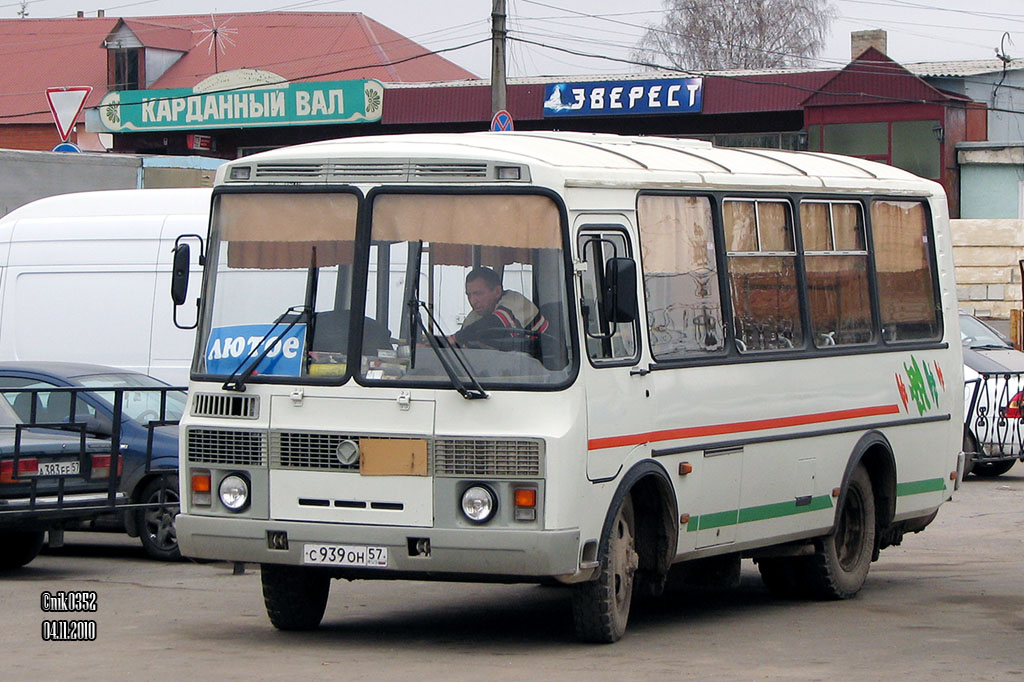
(495, 309)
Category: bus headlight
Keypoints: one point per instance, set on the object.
(234, 492)
(479, 503)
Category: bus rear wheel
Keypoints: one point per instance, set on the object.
(600, 607)
(295, 597)
(840, 564)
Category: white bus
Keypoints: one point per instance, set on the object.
(729, 354)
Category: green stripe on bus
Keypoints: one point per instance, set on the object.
(779, 509)
(760, 513)
(929, 485)
(719, 519)
(774, 511)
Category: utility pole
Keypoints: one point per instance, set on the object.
(498, 100)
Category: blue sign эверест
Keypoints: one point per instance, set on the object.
(611, 98)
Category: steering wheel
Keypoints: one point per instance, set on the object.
(506, 339)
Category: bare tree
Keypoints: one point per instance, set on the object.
(737, 34)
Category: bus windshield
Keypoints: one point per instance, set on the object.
(455, 289)
(474, 284)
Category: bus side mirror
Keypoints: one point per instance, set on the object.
(179, 273)
(181, 266)
(619, 296)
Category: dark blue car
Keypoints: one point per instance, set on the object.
(149, 472)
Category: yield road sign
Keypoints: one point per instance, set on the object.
(65, 105)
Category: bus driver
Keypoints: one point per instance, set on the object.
(495, 308)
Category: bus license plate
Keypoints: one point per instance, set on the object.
(58, 468)
(345, 555)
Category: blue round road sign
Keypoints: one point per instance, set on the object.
(67, 147)
(502, 121)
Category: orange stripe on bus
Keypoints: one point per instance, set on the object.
(740, 427)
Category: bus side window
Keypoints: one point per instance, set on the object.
(905, 271)
(684, 305)
(605, 340)
(761, 249)
(836, 260)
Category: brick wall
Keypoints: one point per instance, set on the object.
(986, 253)
(32, 137)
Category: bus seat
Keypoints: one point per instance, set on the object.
(331, 332)
(553, 354)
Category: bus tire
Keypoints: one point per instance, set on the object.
(840, 564)
(17, 548)
(600, 607)
(295, 597)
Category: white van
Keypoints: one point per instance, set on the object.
(85, 277)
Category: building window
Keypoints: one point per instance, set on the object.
(910, 145)
(124, 68)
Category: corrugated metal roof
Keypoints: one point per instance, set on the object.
(41, 53)
(974, 67)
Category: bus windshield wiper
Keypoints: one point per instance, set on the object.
(305, 310)
(475, 391)
(238, 384)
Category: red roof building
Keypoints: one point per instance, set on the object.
(108, 53)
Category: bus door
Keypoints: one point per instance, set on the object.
(698, 397)
(618, 399)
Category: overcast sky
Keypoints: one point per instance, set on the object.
(925, 30)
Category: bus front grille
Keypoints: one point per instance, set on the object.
(499, 457)
(305, 450)
(314, 450)
(223, 405)
(226, 446)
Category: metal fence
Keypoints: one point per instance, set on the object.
(63, 454)
(993, 405)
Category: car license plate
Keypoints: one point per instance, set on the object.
(58, 468)
(345, 555)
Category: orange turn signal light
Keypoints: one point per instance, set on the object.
(201, 483)
(526, 497)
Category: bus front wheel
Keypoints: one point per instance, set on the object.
(295, 597)
(600, 607)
